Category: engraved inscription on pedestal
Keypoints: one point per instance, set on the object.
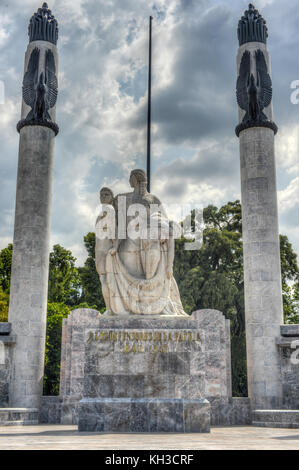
(144, 363)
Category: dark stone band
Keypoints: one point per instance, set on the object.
(247, 125)
(35, 122)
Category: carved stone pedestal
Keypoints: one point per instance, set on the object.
(144, 374)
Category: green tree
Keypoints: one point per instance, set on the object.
(90, 282)
(291, 303)
(64, 280)
(294, 317)
(4, 302)
(290, 281)
(288, 259)
(5, 267)
(55, 315)
(5, 274)
(212, 277)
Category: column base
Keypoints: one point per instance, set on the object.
(18, 416)
(276, 418)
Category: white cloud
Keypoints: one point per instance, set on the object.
(288, 208)
(289, 197)
(8, 113)
(5, 23)
(287, 148)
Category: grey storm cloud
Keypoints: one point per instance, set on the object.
(101, 107)
(213, 163)
(200, 100)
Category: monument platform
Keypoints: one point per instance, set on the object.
(66, 437)
(144, 374)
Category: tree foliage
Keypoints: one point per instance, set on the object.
(288, 259)
(5, 267)
(4, 301)
(290, 296)
(55, 315)
(290, 281)
(64, 280)
(5, 274)
(212, 277)
(90, 282)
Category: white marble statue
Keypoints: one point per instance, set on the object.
(136, 273)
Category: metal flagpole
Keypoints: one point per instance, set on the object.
(148, 164)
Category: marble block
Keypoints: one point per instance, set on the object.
(144, 415)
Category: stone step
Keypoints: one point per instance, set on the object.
(18, 416)
(276, 418)
(144, 415)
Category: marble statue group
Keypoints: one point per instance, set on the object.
(136, 273)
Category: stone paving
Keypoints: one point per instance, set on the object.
(62, 437)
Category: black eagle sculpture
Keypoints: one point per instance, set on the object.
(254, 95)
(40, 91)
(253, 100)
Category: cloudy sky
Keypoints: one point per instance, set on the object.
(102, 102)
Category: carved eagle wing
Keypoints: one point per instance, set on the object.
(264, 82)
(242, 81)
(31, 78)
(51, 79)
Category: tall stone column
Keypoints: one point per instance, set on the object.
(262, 272)
(30, 264)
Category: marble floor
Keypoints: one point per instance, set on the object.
(61, 437)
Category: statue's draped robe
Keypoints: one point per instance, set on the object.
(136, 274)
